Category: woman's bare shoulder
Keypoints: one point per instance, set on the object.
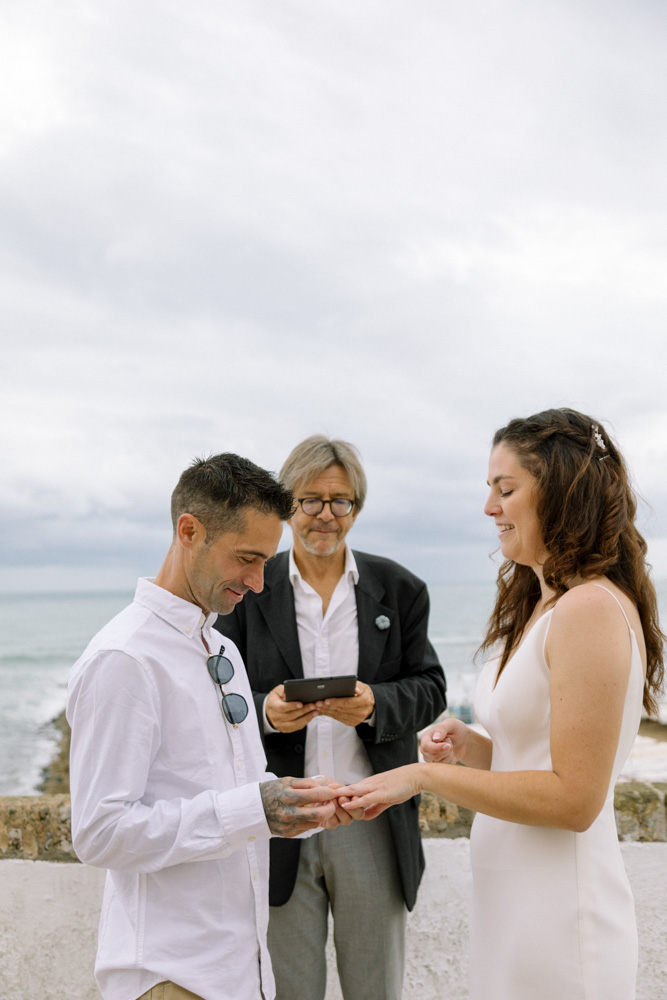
(593, 607)
(596, 593)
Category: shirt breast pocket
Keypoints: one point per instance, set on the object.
(192, 741)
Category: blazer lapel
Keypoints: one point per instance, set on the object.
(372, 639)
(276, 603)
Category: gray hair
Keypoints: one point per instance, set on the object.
(315, 455)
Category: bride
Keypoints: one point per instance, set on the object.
(575, 652)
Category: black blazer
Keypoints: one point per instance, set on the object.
(400, 665)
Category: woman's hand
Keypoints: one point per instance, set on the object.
(375, 794)
(341, 817)
(445, 742)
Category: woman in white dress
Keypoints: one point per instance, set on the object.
(576, 649)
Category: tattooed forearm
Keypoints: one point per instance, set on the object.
(289, 810)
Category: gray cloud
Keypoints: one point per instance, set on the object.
(225, 229)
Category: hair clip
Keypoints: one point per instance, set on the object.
(599, 443)
(597, 437)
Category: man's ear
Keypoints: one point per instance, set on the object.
(189, 531)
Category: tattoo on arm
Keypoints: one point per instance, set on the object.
(286, 812)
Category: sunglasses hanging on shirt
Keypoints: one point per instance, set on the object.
(234, 706)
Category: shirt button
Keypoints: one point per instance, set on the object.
(254, 876)
(238, 766)
(188, 630)
(251, 839)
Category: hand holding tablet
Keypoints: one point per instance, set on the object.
(312, 689)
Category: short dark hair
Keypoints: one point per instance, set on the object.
(218, 489)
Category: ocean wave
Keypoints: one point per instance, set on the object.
(40, 659)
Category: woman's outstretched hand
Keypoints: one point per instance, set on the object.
(375, 794)
(445, 742)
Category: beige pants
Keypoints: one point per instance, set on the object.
(168, 991)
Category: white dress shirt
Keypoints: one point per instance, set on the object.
(330, 646)
(165, 794)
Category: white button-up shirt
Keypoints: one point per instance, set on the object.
(165, 795)
(330, 646)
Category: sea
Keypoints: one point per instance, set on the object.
(42, 635)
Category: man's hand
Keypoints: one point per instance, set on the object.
(295, 805)
(287, 716)
(349, 711)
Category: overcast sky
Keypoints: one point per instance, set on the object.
(226, 226)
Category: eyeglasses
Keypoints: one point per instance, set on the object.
(340, 507)
(221, 669)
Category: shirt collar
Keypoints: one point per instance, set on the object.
(350, 571)
(177, 612)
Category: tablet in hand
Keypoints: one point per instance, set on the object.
(310, 689)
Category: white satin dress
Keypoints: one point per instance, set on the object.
(553, 916)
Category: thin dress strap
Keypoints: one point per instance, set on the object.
(602, 587)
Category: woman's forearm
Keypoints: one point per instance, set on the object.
(478, 752)
(535, 798)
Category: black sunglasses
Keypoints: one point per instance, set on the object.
(221, 669)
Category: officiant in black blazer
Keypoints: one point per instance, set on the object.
(326, 610)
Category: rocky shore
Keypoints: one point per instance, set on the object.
(55, 776)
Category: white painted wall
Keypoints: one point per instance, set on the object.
(49, 914)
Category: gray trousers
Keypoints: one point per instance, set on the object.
(353, 871)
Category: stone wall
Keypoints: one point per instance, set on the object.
(49, 914)
(49, 911)
(37, 827)
(640, 808)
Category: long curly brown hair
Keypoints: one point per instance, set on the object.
(586, 508)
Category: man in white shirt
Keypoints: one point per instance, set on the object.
(168, 774)
(326, 611)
